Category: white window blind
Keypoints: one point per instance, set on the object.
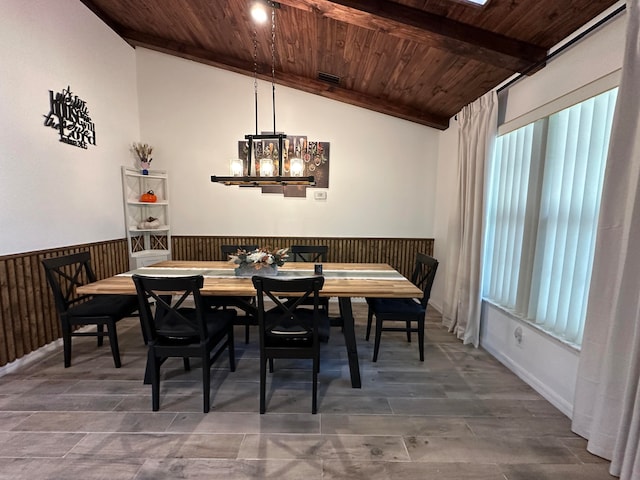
(544, 197)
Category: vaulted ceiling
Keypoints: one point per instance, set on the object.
(420, 60)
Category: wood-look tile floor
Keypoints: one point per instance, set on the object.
(459, 415)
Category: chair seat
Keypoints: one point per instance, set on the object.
(216, 323)
(299, 329)
(245, 303)
(106, 306)
(398, 307)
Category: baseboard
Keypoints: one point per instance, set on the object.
(557, 401)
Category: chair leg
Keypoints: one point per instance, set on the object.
(154, 367)
(408, 331)
(376, 345)
(144, 334)
(246, 332)
(231, 349)
(263, 386)
(314, 398)
(271, 365)
(113, 341)
(369, 320)
(100, 331)
(187, 363)
(66, 340)
(206, 382)
(421, 338)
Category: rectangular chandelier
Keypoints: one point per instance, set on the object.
(265, 165)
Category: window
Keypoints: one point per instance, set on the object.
(543, 200)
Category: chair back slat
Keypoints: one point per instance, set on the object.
(297, 291)
(309, 253)
(424, 274)
(171, 317)
(65, 274)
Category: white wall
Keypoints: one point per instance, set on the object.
(544, 363)
(445, 189)
(382, 170)
(53, 194)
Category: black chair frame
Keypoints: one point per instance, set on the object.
(404, 310)
(246, 304)
(313, 254)
(289, 330)
(66, 273)
(309, 253)
(178, 330)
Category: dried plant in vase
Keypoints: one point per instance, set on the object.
(143, 151)
(261, 261)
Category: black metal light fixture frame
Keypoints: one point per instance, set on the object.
(250, 180)
(255, 180)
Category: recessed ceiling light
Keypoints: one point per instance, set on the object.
(259, 12)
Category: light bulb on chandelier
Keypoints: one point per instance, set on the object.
(266, 167)
(236, 167)
(296, 167)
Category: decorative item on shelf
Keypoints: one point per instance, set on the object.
(148, 197)
(267, 148)
(150, 223)
(143, 151)
(261, 261)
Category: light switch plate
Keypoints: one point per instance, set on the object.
(320, 195)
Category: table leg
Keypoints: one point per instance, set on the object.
(350, 340)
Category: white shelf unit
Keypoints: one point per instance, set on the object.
(146, 245)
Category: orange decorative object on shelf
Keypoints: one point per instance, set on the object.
(149, 197)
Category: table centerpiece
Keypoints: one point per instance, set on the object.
(261, 261)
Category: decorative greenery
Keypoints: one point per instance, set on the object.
(260, 257)
(143, 151)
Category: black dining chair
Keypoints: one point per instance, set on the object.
(407, 310)
(309, 253)
(65, 274)
(312, 254)
(288, 329)
(177, 328)
(245, 304)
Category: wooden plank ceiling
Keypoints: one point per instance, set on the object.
(420, 60)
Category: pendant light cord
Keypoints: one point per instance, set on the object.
(255, 74)
(273, 65)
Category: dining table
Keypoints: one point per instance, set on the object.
(344, 281)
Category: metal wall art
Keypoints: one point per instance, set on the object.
(70, 116)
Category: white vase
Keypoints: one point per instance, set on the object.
(249, 270)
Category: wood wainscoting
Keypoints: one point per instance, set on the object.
(400, 253)
(28, 319)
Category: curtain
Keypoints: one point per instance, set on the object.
(607, 396)
(463, 277)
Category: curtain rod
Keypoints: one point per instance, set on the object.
(564, 47)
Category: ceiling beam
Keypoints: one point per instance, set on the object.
(308, 85)
(418, 26)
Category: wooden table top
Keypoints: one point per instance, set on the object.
(341, 279)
